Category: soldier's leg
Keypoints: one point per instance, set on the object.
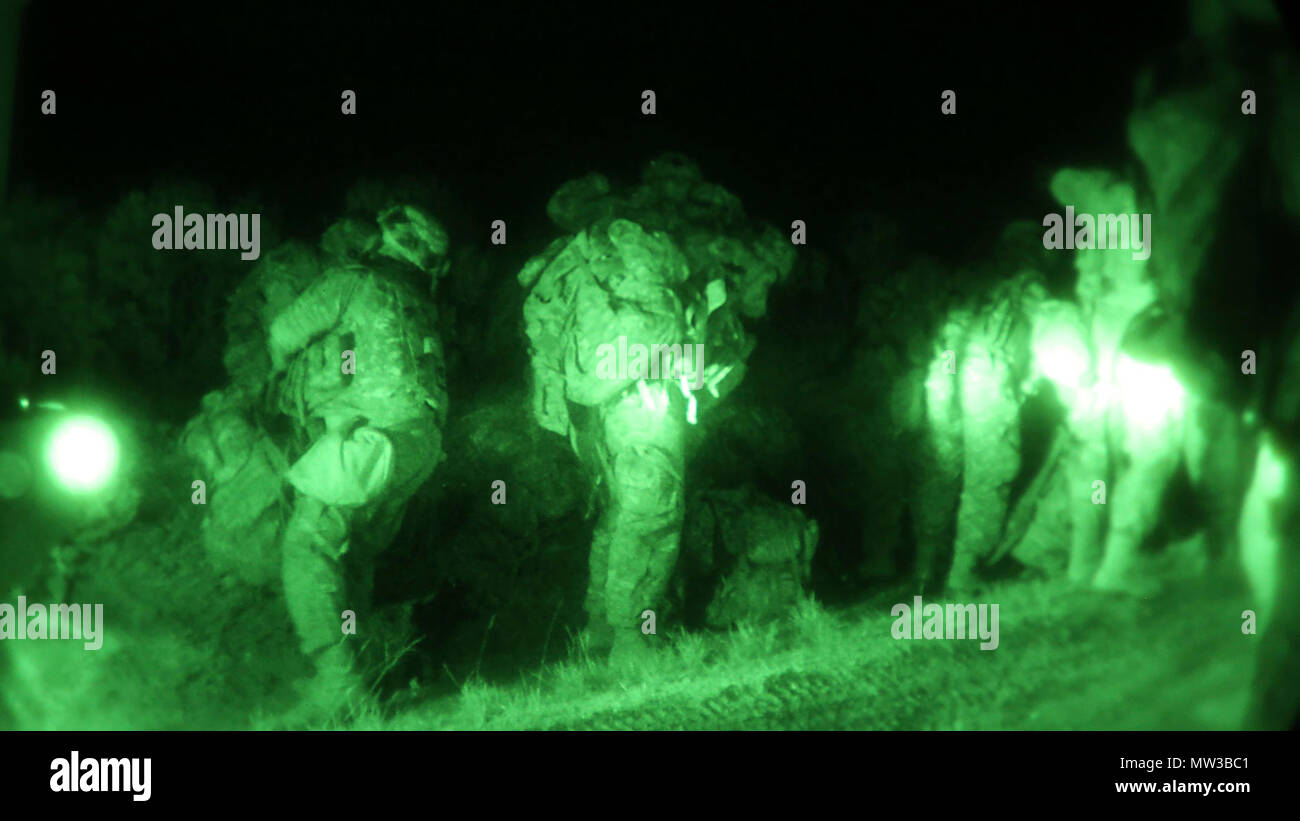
(1260, 533)
(1086, 463)
(1134, 509)
(934, 510)
(647, 448)
(1275, 696)
(315, 539)
(1216, 450)
(600, 636)
(417, 450)
(1269, 526)
(939, 469)
(991, 442)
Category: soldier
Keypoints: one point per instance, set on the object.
(363, 385)
(1219, 204)
(1125, 414)
(1124, 417)
(973, 396)
(992, 357)
(672, 263)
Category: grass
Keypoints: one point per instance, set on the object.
(1068, 659)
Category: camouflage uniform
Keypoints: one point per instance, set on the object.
(374, 435)
(1116, 434)
(973, 399)
(671, 262)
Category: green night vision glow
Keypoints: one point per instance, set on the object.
(1062, 362)
(83, 454)
(1150, 394)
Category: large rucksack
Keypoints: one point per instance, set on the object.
(652, 263)
(612, 280)
(243, 470)
(745, 557)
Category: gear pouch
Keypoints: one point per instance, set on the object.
(350, 472)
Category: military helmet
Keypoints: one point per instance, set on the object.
(410, 235)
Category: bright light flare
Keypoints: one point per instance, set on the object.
(83, 453)
(1064, 361)
(1150, 394)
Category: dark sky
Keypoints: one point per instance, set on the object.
(800, 111)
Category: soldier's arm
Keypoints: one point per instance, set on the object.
(314, 312)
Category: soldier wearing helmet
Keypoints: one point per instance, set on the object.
(974, 389)
(669, 265)
(362, 381)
